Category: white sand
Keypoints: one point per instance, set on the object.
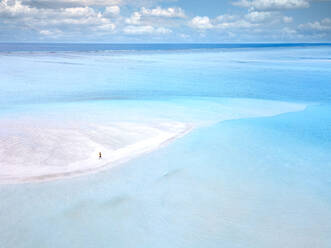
(33, 151)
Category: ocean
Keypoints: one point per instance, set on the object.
(253, 170)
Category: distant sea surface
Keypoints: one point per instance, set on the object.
(88, 47)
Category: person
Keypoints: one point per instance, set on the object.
(100, 156)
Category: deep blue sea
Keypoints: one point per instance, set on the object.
(255, 172)
(90, 47)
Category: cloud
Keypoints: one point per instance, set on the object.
(53, 33)
(184, 36)
(289, 31)
(134, 30)
(151, 21)
(85, 21)
(238, 24)
(112, 10)
(317, 26)
(287, 19)
(254, 25)
(53, 22)
(201, 22)
(226, 18)
(15, 8)
(77, 12)
(158, 11)
(91, 19)
(230, 22)
(137, 16)
(134, 19)
(272, 4)
(105, 27)
(259, 16)
(54, 4)
(316, 30)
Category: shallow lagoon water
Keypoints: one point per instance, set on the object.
(254, 173)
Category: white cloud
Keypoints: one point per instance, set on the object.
(184, 36)
(323, 25)
(15, 8)
(51, 33)
(69, 3)
(162, 30)
(254, 22)
(90, 18)
(230, 22)
(46, 32)
(201, 22)
(149, 21)
(137, 16)
(78, 12)
(112, 10)
(289, 31)
(106, 27)
(292, 34)
(287, 19)
(53, 22)
(259, 16)
(134, 19)
(226, 18)
(169, 12)
(272, 4)
(91, 2)
(85, 20)
(239, 24)
(145, 30)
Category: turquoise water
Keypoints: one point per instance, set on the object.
(254, 173)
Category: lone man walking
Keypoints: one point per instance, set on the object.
(100, 156)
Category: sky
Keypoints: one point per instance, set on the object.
(162, 21)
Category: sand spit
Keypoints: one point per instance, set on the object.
(43, 152)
